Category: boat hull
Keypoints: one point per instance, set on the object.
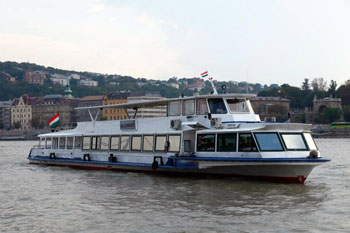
(291, 170)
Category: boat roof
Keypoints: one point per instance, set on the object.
(165, 101)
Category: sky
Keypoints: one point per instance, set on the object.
(259, 41)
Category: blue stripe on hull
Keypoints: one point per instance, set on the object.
(264, 160)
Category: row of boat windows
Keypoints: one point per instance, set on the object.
(147, 143)
(248, 142)
(199, 106)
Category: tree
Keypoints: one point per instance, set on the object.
(319, 84)
(330, 114)
(344, 93)
(346, 113)
(17, 125)
(332, 88)
(36, 123)
(306, 85)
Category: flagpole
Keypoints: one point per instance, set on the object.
(215, 92)
(205, 74)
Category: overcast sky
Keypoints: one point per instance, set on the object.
(261, 41)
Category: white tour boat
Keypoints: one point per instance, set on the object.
(217, 134)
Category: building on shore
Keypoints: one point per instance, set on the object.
(158, 111)
(46, 107)
(5, 114)
(117, 97)
(271, 108)
(312, 115)
(320, 104)
(89, 101)
(35, 77)
(127, 97)
(22, 112)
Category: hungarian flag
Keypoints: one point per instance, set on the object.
(54, 121)
(205, 74)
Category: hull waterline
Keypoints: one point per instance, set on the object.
(288, 172)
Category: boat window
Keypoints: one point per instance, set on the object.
(86, 143)
(62, 143)
(148, 142)
(104, 142)
(206, 142)
(95, 142)
(310, 141)
(54, 143)
(136, 143)
(227, 142)
(237, 105)
(115, 143)
(268, 142)
(188, 107)
(69, 142)
(246, 143)
(294, 141)
(202, 107)
(174, 108)
(160, 142)
(77, 143)
(174, 141)
(125, 143)
(217, 106)
(48, 143)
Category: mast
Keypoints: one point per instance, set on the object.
(215, 92)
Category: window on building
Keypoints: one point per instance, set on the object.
(115, 143)
(125, 143)
(202, 107)
(148, 142)
(294, 141)
(104, 143)
(174, 108)
(86, 143)
(77, 143)
(188, 107)
(226, 142)
(206, 142)
(174, 143)
(246, 143)
(136, 143)
(160, 142)
(268, 142)
(217, 106)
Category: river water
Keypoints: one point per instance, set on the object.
(60, 199)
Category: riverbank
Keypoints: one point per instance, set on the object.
(11, 135)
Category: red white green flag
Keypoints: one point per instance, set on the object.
(204, 74)
(54, 121)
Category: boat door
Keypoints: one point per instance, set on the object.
(188, 141)
(247, 147)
